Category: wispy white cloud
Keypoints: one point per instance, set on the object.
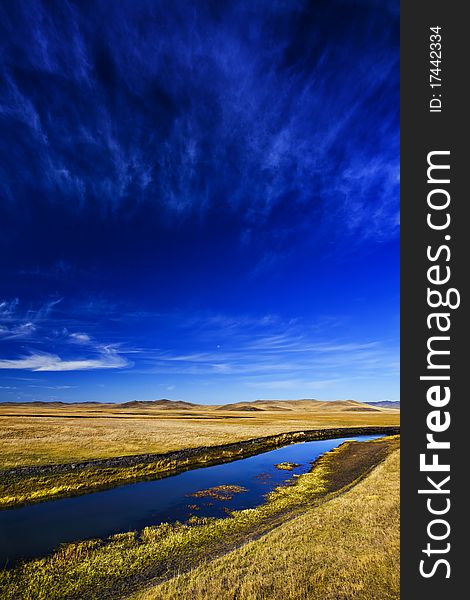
(8, 308)
(80, 338)
(23, 330)
(298, 132)
(306, 356)
(17, 324)
(39, 326)
(52, 387)
(271, 354)
(107, 359)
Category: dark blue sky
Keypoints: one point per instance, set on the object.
(200, 200)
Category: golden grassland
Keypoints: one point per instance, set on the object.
(345, 549)
(37, 435)
(34, 435)
(36, 484)
(365, 535)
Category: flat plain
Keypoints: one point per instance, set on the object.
(332, 533)
(46, 433)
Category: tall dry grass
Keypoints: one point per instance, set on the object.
(346, 549)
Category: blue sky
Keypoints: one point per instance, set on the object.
(200, 200)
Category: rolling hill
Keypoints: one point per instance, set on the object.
(305, 405)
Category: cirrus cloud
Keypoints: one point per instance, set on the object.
(43, 361)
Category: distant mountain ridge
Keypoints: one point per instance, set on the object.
(302, 405)
(385, 404)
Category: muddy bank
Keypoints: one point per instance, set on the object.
(200, 456)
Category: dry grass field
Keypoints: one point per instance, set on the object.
(36, 434)
(333, 535)
(346, 549)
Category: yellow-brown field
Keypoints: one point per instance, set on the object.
(41, 434)
(347, 548)
(332, 535)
